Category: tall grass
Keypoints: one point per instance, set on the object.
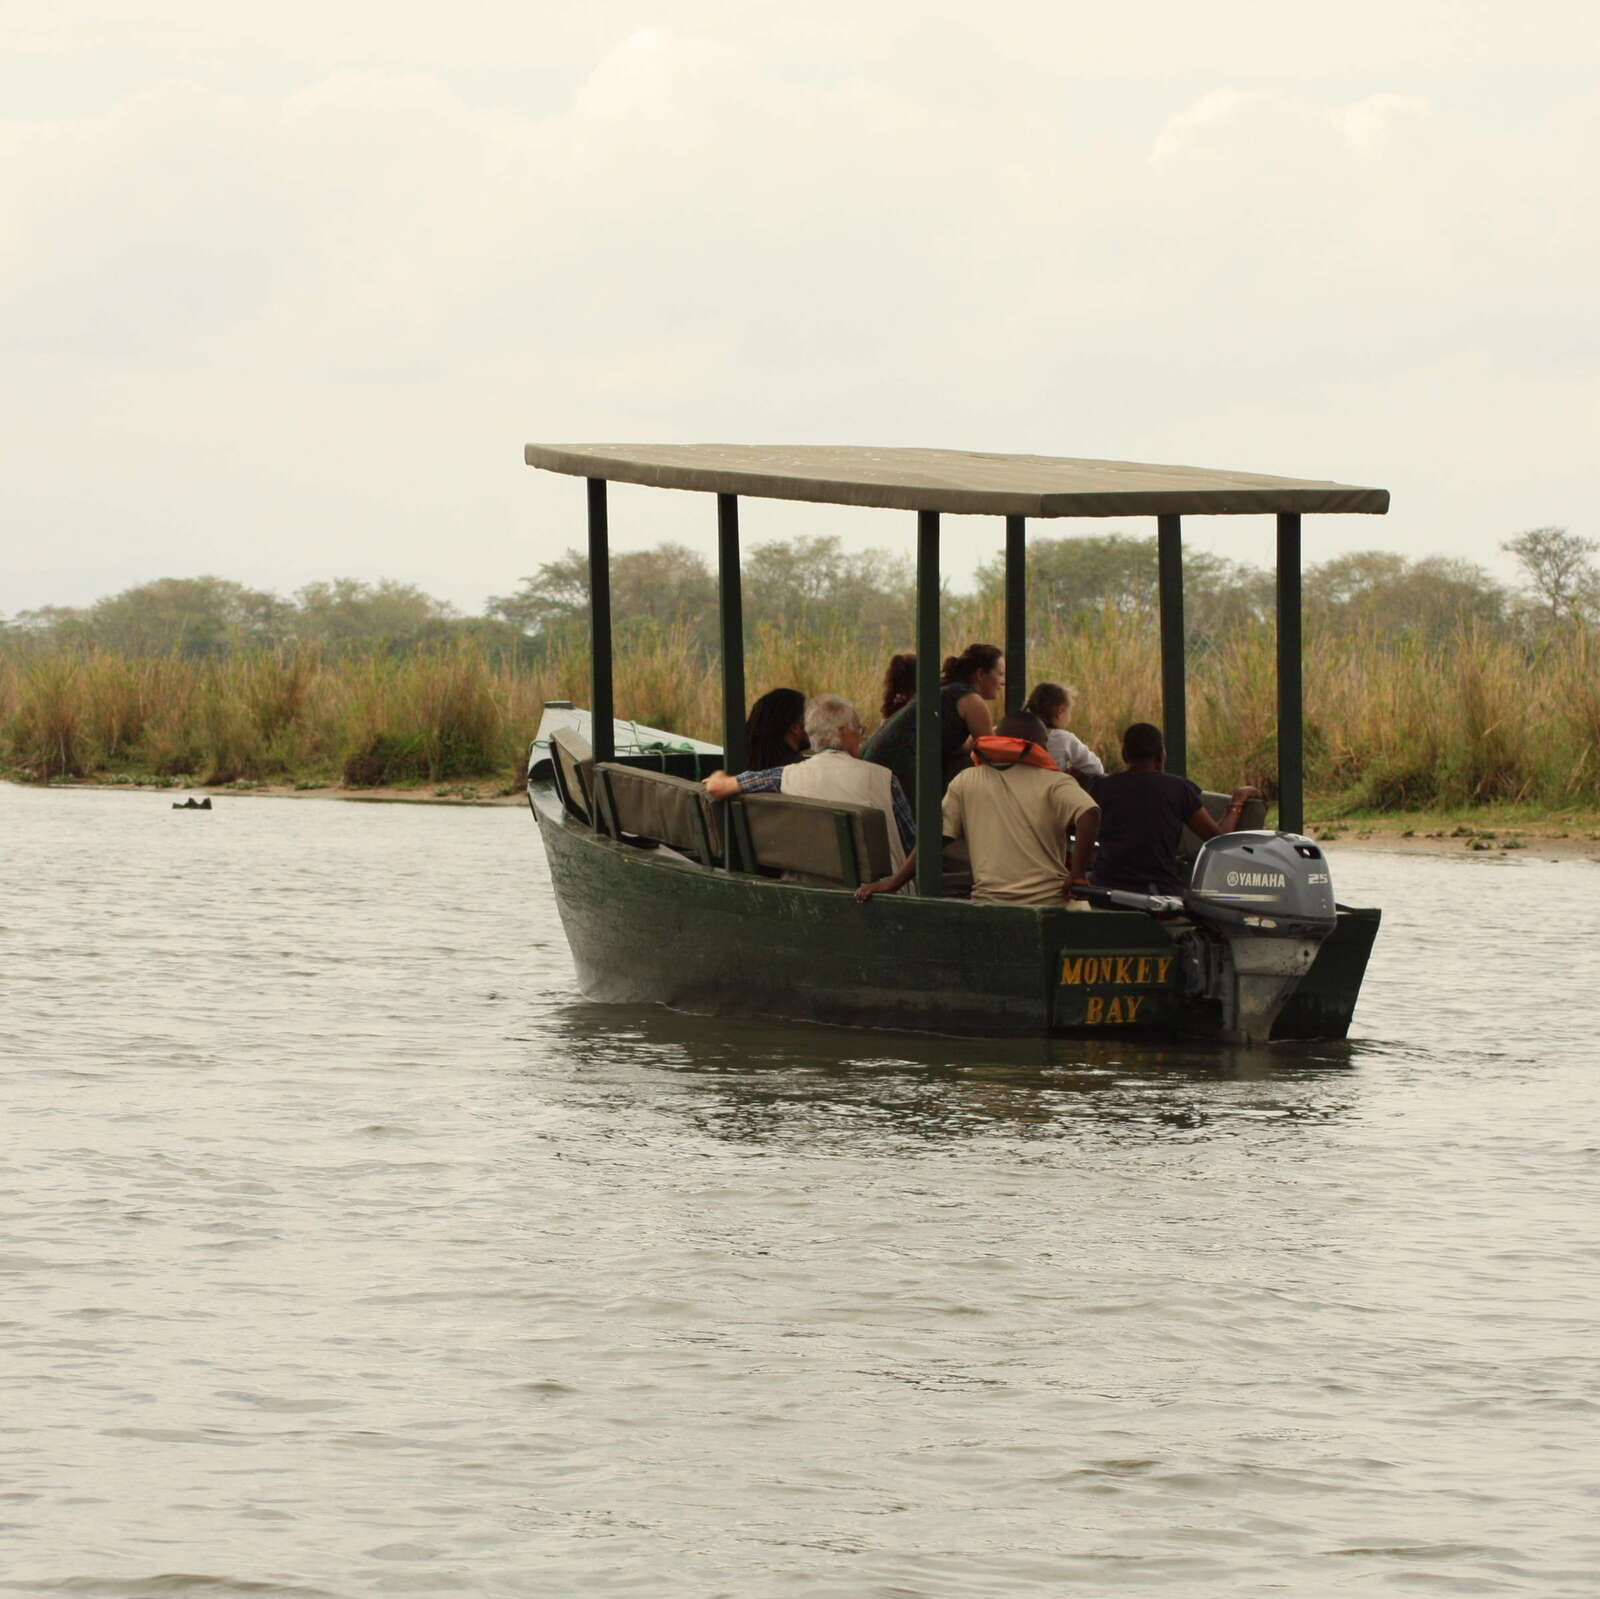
(1389, 724)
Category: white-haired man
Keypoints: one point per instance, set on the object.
(833, 771)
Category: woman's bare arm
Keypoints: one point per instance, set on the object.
(975, 713)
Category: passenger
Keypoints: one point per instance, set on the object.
(899, 683)
(775, 734)
(970, 679)
(1014, 807)
(1143, 813)
(1052, 704)
(833, 771)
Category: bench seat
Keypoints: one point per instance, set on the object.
(828, 843)
(666, 810)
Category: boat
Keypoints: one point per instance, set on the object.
(745, 907)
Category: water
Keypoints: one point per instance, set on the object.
(346, 1253)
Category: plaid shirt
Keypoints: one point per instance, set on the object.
(770, 781)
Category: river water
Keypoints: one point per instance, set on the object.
(347, 1252)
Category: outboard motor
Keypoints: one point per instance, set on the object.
(1266, 902)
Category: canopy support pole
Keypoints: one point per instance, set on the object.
(730, 596)
(602, 711)
(1016, 612)
(929, 797)
(1174, 705)
(1291, 733)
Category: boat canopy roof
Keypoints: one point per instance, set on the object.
(961, 482)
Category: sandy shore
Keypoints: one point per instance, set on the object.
(382, 796)
(1540, 840)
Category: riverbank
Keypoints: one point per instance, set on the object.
(1564, 835)
(1402, 834)
(1472, 721)
(496, 792)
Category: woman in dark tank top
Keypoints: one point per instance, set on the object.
(968, 681)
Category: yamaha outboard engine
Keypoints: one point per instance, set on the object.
(1266, 902)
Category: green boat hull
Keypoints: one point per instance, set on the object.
(647, 926)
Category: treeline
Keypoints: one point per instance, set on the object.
(207, 618)
(811, 585)
(1427, 683)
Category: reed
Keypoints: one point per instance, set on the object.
(1480, 719)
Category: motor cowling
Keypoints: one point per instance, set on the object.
(1266, 901)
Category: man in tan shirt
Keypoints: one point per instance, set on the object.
(1014, 807)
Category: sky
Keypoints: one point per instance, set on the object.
(285, 289)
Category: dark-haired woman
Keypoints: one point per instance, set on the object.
(968, 681)
(775, 734)
(899, 683)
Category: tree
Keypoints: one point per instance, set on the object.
(667, 584)
(188, 615)
(1383, 591)
(49, 625)
(1349, 582)
(346, 613)
(1560, 570)
(1222, 596)
(1082, 577)
(810, 582)
(558, 592)
(814, 583)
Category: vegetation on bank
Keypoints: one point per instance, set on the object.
(1391, 724)
(1428, 686)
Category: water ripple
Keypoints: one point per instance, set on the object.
(350, 1254)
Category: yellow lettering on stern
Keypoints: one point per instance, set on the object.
(1127, 971)
(1120, 973)
(1115, 1012)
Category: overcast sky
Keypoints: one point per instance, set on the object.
(285, 288)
